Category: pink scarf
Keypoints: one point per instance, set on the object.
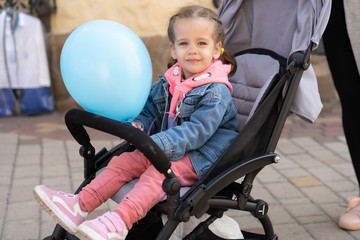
(216, 73)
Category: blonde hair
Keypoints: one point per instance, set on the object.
(219, 34)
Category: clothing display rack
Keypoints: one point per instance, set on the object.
(24, 71)
(33, 7)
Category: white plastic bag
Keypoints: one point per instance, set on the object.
(224, 227)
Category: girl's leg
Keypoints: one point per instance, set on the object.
(71, 210)
(148, 191)
(145, 194)
(119, 171)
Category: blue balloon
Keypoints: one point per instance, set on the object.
(107, 69)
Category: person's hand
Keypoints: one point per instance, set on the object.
(137, 125)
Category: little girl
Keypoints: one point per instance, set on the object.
(189, 114)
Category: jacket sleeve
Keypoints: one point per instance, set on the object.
(149, 114)
(203, 123)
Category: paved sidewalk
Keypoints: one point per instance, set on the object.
(306, 191)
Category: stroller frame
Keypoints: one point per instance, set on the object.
(217, 193)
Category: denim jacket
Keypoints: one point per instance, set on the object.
(205, 127)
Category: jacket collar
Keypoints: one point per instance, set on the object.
(216, 73)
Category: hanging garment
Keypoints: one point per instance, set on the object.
(24, 70)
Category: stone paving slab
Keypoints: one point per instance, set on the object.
(306, 191)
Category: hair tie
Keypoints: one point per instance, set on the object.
(222, 51)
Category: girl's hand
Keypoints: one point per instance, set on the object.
(137, 125)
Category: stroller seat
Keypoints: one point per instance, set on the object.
(250, 87)
(267, 88)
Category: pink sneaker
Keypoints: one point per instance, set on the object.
(106, 227)
(64, 208)
(350, 219)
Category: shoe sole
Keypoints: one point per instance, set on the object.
(90, 234)
(50, 207)
(349, 227)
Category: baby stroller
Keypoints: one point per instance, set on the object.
(272, 42)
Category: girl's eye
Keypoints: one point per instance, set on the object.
(202, 43)
(182, 43)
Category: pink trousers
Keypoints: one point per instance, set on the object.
(146, 193)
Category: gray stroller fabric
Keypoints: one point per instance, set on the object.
(250, 82)
(271, 25)
(263, 24)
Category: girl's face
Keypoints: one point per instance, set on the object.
(194, 46)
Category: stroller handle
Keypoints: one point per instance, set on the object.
(76, 119)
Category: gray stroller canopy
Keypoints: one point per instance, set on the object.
(272, 25)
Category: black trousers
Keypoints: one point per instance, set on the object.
(346, 78)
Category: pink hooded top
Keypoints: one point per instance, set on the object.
(217, 72)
